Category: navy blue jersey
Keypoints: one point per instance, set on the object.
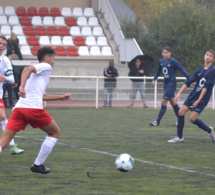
(169, 69)
(204, 78)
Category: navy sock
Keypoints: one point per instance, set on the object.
(161, 113)
(202, 125)
(180, 126)
(176, 109)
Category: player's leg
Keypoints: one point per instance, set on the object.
(53, 132)
(5, 138)
(110, 96)
(175, 106)
(193, 119)
(183, 110)
(161, 113)
(3, 120)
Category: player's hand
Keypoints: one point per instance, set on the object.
(2, 78)
(177, 97)
(22, 92)
(67, 96)
(153, 83)
(195, 104)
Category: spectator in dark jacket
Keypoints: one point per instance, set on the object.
(136, 70)
(110, 73)
(13, 46)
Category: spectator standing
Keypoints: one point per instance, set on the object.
(13, 46)
(136, 70)
(110, 73)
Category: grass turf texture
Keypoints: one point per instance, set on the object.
(91, 139)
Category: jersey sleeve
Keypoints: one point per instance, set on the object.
(159, 69)
(181, 69)
(8, 70)
(193, 78)
(210, 80)
(42, 67)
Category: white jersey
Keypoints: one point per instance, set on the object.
(35, 87)
(6, 70)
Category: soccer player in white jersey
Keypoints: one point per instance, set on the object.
(29, 108)
(6, 75)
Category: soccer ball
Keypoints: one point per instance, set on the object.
(124, 162)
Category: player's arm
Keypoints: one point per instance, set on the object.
(25, 75)
(156, 74)
(183, 88)
(49, 97)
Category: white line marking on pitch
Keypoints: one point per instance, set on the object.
(136, 159)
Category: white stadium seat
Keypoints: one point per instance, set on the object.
(102, 41)
(44, 40)
(75, 31)
(90, 41)
(3, 20)
(93, 21)
(67, 41)
(56, 40)
(59, 21)
(83, 51)
(22, 40)
(9, 11)
(106, 51)
(13, 20)
(5, 30)
(1, 11)
(17, 30)
(95, 51)
(66, 11)
(25, 50)
(36, 21)
(86, 31)
(98, 31)
(77, 11)
(88, 11)
(48, 21)
(82, 21)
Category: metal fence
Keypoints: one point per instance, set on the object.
(88, 91)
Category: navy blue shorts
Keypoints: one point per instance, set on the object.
(169, 93)
(199, 108)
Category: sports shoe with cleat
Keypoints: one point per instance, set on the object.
(212, 134)
(130, 106)
(14, 150)
(176, 140)
(154, 123)
(40, 169)
(175, 125)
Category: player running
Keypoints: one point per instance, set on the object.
(168, 66)
(29, 108)
(6, 75)
(198, 98)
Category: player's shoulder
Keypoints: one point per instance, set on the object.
(5, 58)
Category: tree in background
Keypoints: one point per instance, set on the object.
(187, 26)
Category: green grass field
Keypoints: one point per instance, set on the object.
(90, 141)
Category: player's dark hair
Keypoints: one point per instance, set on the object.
(2, 37)
(44, 51)
(167, 48)
(212, 51)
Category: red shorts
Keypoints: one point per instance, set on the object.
(21, 117)
(2, 104)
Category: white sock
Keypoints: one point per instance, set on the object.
(0, 149)
(45, 150)
(3, 125)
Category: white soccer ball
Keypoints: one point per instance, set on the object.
(124, 162)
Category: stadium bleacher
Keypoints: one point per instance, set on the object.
(53, 27)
